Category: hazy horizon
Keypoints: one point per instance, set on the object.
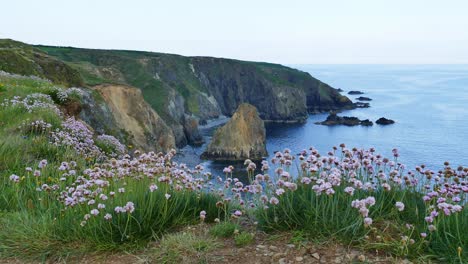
(295, 33)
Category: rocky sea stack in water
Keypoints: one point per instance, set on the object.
(384, 121)
(243, 137)
(333, 119)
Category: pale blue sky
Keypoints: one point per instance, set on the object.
(288, 32)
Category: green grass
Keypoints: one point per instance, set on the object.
(224, 229)
(244, 239)
(184, 247)
(37, 226)
(332, 217)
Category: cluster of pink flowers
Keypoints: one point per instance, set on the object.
(363, 205)
(64, 95)
(117, 147)
(32, 102)
(77, 135)
(38, 126)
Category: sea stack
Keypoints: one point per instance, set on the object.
(242, 137)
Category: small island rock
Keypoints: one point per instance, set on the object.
(242, 137)
(384, 121)
(362, 98)
(333, 119)
(355, 92)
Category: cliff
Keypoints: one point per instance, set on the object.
(183, 91)
(243, 137)
(145, 128)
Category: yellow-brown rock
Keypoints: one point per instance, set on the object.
(242, 137)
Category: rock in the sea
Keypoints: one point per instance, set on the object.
(363, 98)
(355, 92)
(361, 105)
(366, 122)
(333, 119)
(243, 137)
(384, 121)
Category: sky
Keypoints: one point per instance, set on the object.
(287, 32)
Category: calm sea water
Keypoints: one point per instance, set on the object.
(428, 102)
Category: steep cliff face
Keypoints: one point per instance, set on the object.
(147, 130)
(243, 137)
(204, 87)
(183, 91)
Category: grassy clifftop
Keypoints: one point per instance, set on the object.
(20, 58)
(181, 89)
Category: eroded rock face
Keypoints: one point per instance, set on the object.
(98, 115)
(147, 129)
(243, 137)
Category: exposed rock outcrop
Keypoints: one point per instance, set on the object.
(361, 105)
(178, 86)
(355, 92)
(147, 130)
(243, 137)
(363, 98)
(96, 113)
(333, 119)
(384, 121)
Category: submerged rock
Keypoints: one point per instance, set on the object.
(333, 119)
(355, 92)
(384, 121)
(243, 137)
(363, 98)
(361, 105)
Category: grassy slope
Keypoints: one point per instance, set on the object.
(138, 69)
(20, 58)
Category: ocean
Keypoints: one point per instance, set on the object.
(428, 102)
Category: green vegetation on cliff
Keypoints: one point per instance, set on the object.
(181, 89)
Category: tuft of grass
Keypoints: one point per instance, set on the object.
(244, 239)
(224, 229)
(184, 248)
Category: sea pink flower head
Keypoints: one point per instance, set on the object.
(203, 215)
(153, 187)
(349, 190)
(274, 200)
(370, 200)
(367, 221)
(400, 206)
(167, 196)
(42, 164)
(14, 178)
(129, 207)
(95, 212)
(237, 213)
(108, 217)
